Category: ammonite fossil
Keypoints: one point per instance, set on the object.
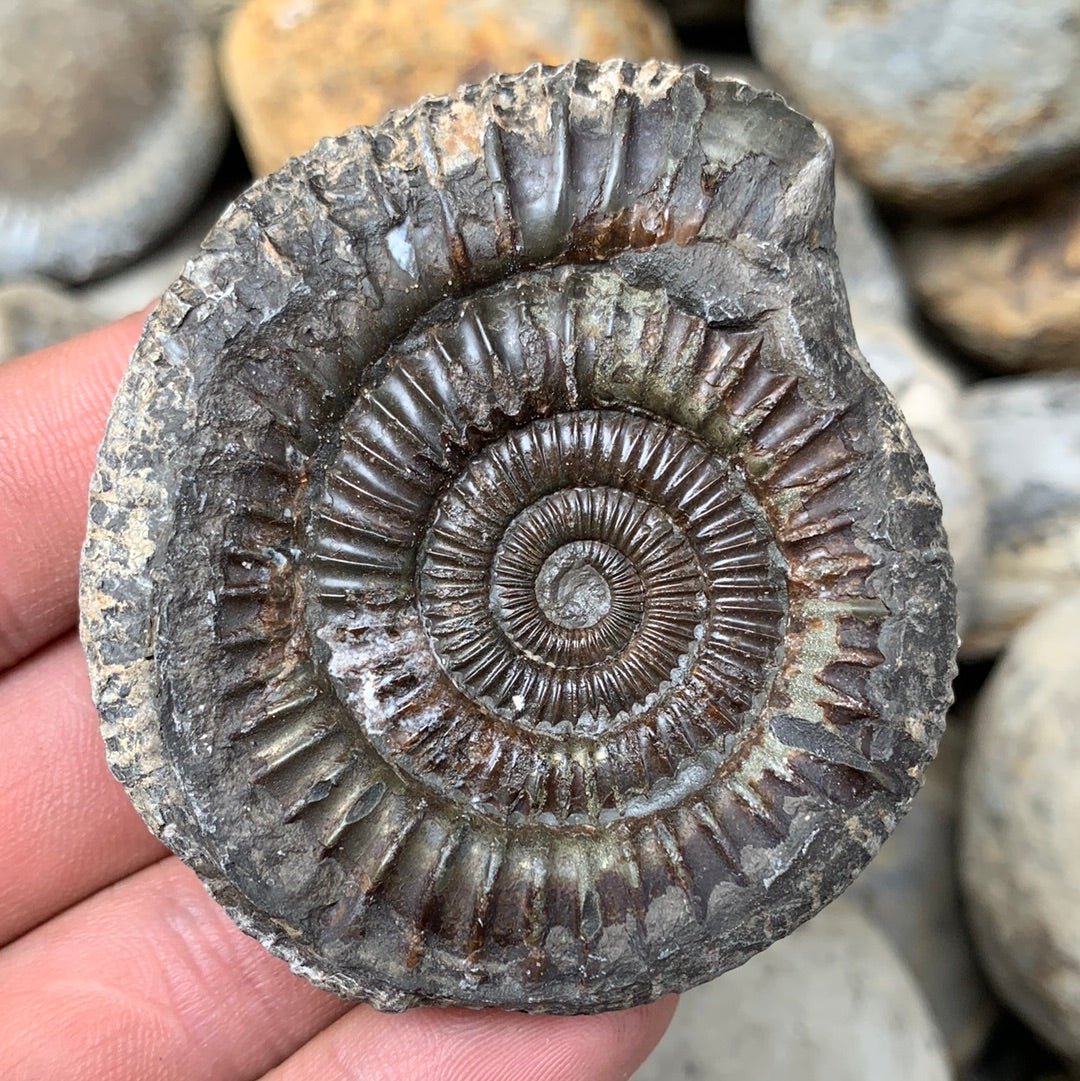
(506, 584)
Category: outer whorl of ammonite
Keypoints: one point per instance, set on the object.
(506, 584)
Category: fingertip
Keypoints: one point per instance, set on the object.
(438, 1044)
(632, 1034)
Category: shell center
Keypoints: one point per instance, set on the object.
(571, 590)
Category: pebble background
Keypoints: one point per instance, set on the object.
(832, 1002)
(957, 125)
(291, 71)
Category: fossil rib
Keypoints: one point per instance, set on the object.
(506, 584)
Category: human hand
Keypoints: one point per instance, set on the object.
(115, 964)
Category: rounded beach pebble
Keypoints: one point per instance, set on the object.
(111, 124)
(1005, 288)
(831, 1003)
(1021, 821)
(937, 106)
(296, 71)
(35, 312)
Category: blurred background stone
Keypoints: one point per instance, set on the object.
(832, 1002)
(111, 125)
(214, 14)
(1027, 448)
(691, 15)
(1021, 825)
(296, 70)
(1005, 288)
(911, 891)
(940, 107)
(35, 313)
(136, 286)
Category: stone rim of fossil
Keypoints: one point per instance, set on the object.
(304, 709)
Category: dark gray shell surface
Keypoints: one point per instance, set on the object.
(506, 584)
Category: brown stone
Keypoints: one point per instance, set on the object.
(1006, 288)
(296, 70)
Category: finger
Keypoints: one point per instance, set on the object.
(67, 828)
(488, 1045)
(149, 980)
(52, 414)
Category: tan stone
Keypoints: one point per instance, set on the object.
(1020, 861)
(1007, 287)
(296, 70)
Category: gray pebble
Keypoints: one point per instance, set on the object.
(1021, 824)
(136, 286)
(35, 313)
(1027, 448)
(111, 123)
(832, 1002)
(935, 106)
(1005, 287)
(911, 891)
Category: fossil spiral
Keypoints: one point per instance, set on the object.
(505, 582)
